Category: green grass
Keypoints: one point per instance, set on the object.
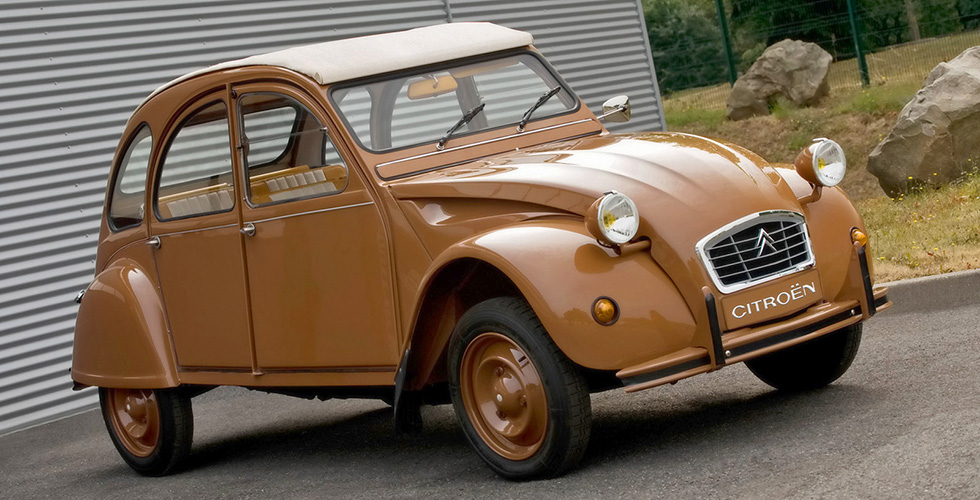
(695, 115)
(877, 100)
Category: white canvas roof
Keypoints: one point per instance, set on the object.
(339, 60)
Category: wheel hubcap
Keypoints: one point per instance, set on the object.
(503, 396)
(135, 417)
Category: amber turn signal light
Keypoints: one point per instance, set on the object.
(859, 237)
(605, 311)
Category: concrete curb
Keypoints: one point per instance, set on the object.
(934, 293)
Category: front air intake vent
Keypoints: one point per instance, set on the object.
(756, 249)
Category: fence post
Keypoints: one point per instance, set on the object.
(858, 48)
(727, 39)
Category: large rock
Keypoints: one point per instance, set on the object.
(937, 136)
(791, 68)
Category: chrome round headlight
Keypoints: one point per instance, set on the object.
(613, 218)
(829, 163)
(822, 163)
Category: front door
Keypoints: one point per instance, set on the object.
(198, 247)
(319, 270)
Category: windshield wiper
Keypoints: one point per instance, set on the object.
(537, 104)
(463, 120)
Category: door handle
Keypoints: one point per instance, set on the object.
(248, 229)
(154, 241)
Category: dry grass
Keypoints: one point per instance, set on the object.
(928, 232)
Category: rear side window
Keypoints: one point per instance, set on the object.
(126, 202)
(196, 177)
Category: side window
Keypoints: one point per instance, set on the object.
(126, 201)
(196, 176)
(288, 155)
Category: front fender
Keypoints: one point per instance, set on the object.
(121, 335)
(561, 270)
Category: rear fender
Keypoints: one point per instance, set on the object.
(121, 335)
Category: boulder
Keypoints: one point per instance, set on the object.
(791, 68)
(936, 138)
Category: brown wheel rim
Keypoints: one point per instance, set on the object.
(503, 396)
(135, 417)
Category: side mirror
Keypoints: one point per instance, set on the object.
(616, 109)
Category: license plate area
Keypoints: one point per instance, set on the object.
(772, 300)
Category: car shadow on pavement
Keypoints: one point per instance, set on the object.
(367, 436)
(665, 429)
(655, 428)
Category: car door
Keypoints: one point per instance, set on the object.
(319, 271)
(198, 247)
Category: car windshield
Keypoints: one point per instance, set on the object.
(421, 107)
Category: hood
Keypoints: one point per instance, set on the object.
(677, 180)
(684, 186)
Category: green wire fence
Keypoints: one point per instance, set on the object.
(698, 44)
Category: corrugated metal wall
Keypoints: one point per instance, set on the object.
(72, 72)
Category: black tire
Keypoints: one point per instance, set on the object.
(170, 419)
(812, 364)
(553, 377)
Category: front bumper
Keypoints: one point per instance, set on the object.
(749, 342)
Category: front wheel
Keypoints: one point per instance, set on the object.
(152, 429)
(809, 365)
(521, 403)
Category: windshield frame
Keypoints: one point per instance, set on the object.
(442, 66)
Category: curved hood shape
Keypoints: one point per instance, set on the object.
(684, 186)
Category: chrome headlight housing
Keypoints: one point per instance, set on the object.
(822, 163)
(613, 219)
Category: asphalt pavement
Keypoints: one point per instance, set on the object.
(903, 422)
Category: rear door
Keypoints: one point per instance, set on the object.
(198, 249)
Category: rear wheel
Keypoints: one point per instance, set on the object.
(812, 364)
(151, 428)
(521, 403)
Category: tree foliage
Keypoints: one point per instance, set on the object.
(969, 13)
(686, 43)
(887, 22)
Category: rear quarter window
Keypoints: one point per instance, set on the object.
(129, 188)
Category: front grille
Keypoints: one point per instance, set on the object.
(755, 249)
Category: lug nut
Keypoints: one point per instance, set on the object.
(498, 371)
